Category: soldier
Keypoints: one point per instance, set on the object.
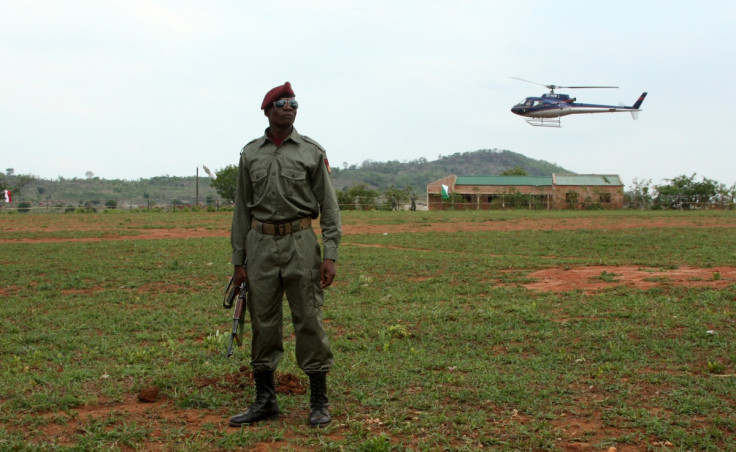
(413, 201)
(284, 184)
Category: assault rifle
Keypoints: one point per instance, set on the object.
(239, 313)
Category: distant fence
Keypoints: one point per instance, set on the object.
(681, 203)
(661, 203)
(37, 209)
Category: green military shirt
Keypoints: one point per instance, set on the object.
(285, 183)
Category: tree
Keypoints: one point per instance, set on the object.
(358, 196)
(726, 195)
(226, 182)
(641, 192)
(684, 191)
(24, 207)
(15, 183)
(402, 195)
(515, 171)
(730, 194)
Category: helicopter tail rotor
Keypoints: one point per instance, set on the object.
(635, 108)
(640, 100)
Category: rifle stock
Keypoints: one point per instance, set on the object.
(238, 317)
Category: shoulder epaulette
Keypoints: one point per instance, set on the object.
(312, 141)
(247, 144)
(321, 149)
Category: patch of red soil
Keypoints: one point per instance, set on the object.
(152, 407)
(160, 414)
(236, 382)
(595, 278)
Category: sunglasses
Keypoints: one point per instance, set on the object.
(281, 103)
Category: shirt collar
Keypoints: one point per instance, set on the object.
(294, 136)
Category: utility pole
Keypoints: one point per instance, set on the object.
(197, 189)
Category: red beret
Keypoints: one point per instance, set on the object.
(276, 94)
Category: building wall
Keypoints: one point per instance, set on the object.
(485, 197)
(584, 196)
(434, 192)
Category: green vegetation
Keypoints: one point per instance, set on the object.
(515, 171)
(360, 187)
(226, 181)
(438, 344)
(387, 178)
(394, 177)
(418, 173)
(97, 194)
(685, 191)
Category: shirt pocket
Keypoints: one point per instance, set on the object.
(293, 180)
(259, 182)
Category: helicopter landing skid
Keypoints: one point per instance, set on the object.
(544, 122)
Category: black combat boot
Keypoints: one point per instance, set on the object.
(265, 405)
(319, 417)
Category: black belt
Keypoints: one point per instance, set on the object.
(282, 228)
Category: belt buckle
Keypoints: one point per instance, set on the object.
(281, 228)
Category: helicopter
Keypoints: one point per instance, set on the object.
(545, 111)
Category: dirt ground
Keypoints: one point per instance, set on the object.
(149, 405)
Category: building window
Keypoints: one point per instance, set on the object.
(571, 197)
(605, 197)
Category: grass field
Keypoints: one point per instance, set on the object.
(445, 335)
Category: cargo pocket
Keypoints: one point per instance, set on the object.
(316, 292)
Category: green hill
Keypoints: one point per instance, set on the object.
(419, 173)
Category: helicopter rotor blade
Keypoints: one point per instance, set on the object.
(533, 83)
(581, 87)
(554, 87)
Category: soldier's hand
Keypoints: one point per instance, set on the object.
(327, 273)
(239, 275)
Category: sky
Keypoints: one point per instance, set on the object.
(130, 89)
